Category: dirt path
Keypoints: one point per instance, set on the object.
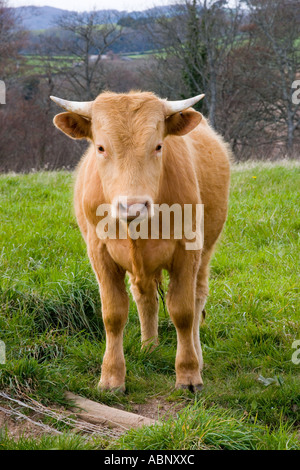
(17, 427)
(32, 426)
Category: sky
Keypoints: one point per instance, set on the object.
(85, 5)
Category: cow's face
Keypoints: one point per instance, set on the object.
(128, 132)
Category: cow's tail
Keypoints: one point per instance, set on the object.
(203, 316)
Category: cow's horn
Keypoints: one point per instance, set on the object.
(84, 108)
(173, 107)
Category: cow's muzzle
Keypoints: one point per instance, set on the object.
(128, 209)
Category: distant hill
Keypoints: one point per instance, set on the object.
(37, 18)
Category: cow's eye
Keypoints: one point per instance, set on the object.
(158, 148)
(101, 149)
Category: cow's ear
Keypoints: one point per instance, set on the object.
(74, 125)
(183, 122)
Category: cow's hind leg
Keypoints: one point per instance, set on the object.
(201, 295)
(181, 305)
(146, 298)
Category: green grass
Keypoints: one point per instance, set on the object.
(37, 64)
(201, 428)
(51, 321)
(65, 441)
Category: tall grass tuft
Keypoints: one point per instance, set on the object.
(74, 305)
(200, 428)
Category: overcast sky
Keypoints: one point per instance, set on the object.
(85, 5)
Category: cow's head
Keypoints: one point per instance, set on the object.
(128, 132)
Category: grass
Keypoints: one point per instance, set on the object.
(37, 64)
(51, 321)
(66, 441)
(201, 428)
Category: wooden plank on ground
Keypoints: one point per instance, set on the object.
(97, 413)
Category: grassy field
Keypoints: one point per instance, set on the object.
(51, 323)
(38, 64)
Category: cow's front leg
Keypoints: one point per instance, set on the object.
(115, 304)
(115, 312)
(181, 306)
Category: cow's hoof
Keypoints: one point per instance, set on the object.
(106, 388)
(149, 347)
(192, 388)
(197, 388)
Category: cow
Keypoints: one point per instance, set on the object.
(150, 151)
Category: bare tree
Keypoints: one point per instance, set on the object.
(86, 41)
(277, 25)
(11, 39)
(198, 37)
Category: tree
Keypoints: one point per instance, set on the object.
(11, 39)
(199, 34)
(85, 41)
(277, 32)
(195, 56)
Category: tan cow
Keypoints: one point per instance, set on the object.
(151, 151)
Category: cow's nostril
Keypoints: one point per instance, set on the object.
(131, 208)
(122, 206)
(136, 209)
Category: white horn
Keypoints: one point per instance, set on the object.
(173, 107)
(84, 108)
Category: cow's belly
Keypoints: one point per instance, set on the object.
(156, 254)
